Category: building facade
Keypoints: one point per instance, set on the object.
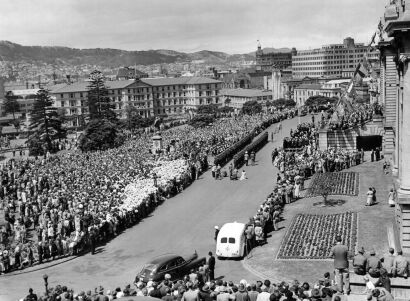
(267, 60)
(335, 60)
(149, 96)
(394, 47)
(235, 98)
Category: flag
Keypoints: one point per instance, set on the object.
(361, 69)
(347, 104)
(373, 37)
(350, 87)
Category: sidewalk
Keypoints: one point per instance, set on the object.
(372, 227)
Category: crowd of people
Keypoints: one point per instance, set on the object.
(68, 203)
(349, 119)
(199, 286)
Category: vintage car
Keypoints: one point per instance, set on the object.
(171, 264)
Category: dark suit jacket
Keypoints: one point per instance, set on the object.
(211, 263)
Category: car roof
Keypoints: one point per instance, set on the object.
(163, 258)
(233, 229)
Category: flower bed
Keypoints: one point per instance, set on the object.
(343, 183)
(313, 236)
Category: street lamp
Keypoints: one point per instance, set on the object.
(45, 277)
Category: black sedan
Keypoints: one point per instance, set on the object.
(171, 264)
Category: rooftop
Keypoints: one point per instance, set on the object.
(309, 86)
(245, 92)
(167, 81)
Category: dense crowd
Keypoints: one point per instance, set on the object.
(348, 119)
(199, 285)
(71, 202)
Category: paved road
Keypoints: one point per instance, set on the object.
(181, 225)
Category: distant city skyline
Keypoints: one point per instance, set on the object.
(231, 26)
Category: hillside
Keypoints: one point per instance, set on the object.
(109, 57)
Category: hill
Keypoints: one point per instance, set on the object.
(109, 57)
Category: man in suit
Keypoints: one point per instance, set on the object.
(211, 266)
(341, 264)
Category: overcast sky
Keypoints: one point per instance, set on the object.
(231, 26)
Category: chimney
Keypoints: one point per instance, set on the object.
(26, 84)
(68, 78)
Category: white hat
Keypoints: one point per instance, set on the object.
(216, 227)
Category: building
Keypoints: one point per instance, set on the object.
(335, 60)
(394, 47)
(332, 88)
(235, 98)
(149, 96)
(125, 73)
(266, 60)
(25, 99)
(235, 81)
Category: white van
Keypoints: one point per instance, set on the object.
(231, 240)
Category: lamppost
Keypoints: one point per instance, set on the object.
(45, 277)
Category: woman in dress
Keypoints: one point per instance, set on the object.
(296, 191)
(392, 197)
(243, 175)
(369, 200)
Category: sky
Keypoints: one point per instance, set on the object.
(231, 26)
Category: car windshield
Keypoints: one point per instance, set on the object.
(149, 268)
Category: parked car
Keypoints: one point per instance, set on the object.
(172, 264)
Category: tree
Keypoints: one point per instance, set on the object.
(319, 100)
(201, 120)
(11, 104)
(207, 109)
(101, 134)
(227, 102)
(251, 107)
(45, 122)
(99, 103)
(325, 187)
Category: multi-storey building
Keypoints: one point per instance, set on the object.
(236, 98)
(149, 96)
(267, 60)
(330, 60)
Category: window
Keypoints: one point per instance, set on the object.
(224, 240)
(81, 94)
(62, 104)
(231, 240)
(72, 95)
(62, 95)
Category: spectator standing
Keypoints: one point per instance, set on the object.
(31, 296)
(242, 293)
(190, 294)
(341, 265)
(253, 294)
(246, 157)
(211, 266)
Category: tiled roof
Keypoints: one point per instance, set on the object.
(245, 92)
(167, 81)
(83, 86)
(309, 86)
(121, 84)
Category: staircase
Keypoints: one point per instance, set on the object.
(388, 142)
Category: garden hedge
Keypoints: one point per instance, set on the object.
(255, 146)
(226, 155)
(240, 146)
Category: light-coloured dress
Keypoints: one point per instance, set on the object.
(391, 198)
(369, 200)
(243, 176)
